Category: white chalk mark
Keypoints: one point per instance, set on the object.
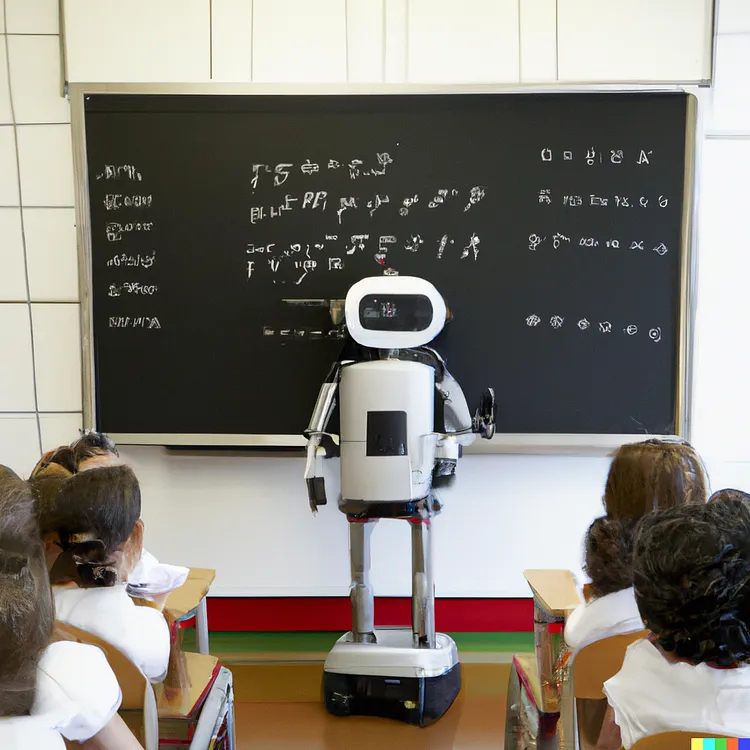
(556, 321)
(533, 320)
(605, 326)
(534, 241)
(655, 335)
(583, 324)
(631, 330)
(661, 249)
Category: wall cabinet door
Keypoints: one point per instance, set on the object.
(154, 41)
(611, 41)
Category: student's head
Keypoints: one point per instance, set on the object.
(95, 515)
(729, 494)
(609, 555)
(691, 569)
(653, 475)
(26, 610)
(93, 450)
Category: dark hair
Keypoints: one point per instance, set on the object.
(94, 513)
(608, 556)
(92, 444)
(729, 494)
(653, 475)
(691, 570)
(26, 610)
(58, 462)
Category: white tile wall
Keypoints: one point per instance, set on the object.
(467, 42)
(32, 16)
(16, 373)
(19, 442)
(12, 269)
(35, 79)
(299, 43)
(734, 16)
(5, 113)
(8, 167)
(365, 24)
(58, 429)
(730, 110)
(232, 40)
(46, 159)
(51, 254)
(37, 243)
(57, 348)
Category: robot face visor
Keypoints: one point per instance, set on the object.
(398, 313)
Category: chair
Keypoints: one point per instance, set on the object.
(583, 701)
(137, 692)
(189, 717)
(671, 740)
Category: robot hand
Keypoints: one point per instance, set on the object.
(446, 460)
(483, 422)
(320, 446)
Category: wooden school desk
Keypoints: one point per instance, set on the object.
(189, 600)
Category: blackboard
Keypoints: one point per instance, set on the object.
(553, 224)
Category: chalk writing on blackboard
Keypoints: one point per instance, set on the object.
(655, 335)
(134, 322)
(120, 172)
(535, 242)
(583, 324)
(631, 330)
(132, 287)
(115, 230)
(556, 321)
(131, 261)
(593, 156)
(116, 201)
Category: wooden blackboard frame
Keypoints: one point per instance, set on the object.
(521, 443)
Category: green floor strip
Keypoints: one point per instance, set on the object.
(236, 643)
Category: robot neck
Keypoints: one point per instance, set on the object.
(389, 353)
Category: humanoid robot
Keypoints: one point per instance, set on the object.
(392, 461)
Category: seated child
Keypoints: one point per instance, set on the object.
(95, 518)
(692, 582)
(47, 690)
(149, 578)
(643, 477)
(611, 608)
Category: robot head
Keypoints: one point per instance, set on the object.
(394, 312)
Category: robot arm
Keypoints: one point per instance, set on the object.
(320, 444)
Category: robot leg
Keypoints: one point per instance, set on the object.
(422, 587)
(360, 591)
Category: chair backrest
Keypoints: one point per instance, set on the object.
(137, 692)
(132, 681)
(671, 740)
(594, 664)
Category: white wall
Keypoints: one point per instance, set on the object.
(248, 516)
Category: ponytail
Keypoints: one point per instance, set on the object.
(91, 560)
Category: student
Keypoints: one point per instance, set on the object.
(47, 690)
(611, 608)
(95, 518)
(643, 477)
(149, 578)
(692, 583)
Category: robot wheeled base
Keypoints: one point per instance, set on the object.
(392, 679)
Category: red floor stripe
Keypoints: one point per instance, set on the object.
(274, 614)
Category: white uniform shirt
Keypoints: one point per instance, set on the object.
(141, 633)
(76, 697)
(613, 614)
(651, 695)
